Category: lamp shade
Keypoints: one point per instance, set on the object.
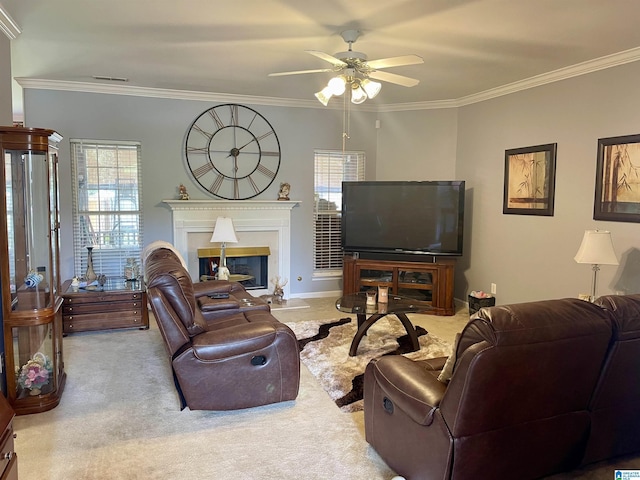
(324, 95)
(372, 88)
(223, 231)
(596, 248)
(358, 95)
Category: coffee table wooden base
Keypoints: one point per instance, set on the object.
(365, 323)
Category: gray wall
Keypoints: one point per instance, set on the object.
(161, 125)
(6, 115)
(528, 257)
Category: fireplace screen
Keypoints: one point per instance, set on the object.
(247, 265)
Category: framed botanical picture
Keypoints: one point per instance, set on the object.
(529, 180)
(617, 179)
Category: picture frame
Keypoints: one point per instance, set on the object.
(617, 191)
(530, 180)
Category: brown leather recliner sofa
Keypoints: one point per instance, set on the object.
(226, 353)
(537, 388)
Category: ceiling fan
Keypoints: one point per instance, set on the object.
(353, 69)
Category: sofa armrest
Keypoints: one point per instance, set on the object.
(434, 364)
(207, 304)
(233, 341)
(410, 386)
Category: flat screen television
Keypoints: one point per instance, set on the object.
(403, 217)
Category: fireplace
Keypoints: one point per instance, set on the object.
(247, 265)
(258, 223)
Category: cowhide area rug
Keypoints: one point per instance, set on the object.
(324, 349)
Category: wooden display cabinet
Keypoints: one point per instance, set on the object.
(29, 269)
(430, 284)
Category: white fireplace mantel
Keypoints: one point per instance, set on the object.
(263, 221)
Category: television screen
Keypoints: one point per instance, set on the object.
(403, 217)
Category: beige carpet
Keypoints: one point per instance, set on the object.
(119, 418)
(329, 361)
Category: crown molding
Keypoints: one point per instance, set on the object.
(584, 68)
(135, 91)
(602, 63)
(8, 25)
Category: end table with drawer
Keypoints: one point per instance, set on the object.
(116, 304)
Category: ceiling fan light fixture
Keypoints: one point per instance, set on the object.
(324, 95)
(372, 88)
(358, 95)
(337, 85)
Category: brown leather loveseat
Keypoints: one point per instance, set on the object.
(536, 388)
(226, 353)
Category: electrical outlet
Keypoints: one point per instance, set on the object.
(493, 289)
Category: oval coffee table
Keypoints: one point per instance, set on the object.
(398, 306)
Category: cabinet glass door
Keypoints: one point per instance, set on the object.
(372, 278)
(33, 350)
(28, 229)
(417, 284)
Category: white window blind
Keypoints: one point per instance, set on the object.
(107, 192)
(331, 169)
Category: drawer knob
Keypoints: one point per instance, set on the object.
(8, 455)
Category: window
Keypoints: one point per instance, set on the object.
(107, 191)
(331, 169)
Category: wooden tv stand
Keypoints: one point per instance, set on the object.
(430, 284)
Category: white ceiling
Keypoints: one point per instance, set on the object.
(230, 47)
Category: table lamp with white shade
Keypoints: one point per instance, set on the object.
(597, 249)
(224, 233)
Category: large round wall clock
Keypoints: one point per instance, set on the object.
(232, 151)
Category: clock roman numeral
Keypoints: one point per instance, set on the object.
(200, 171)
(234, 115)
(216, 118)
(271, 154)
(255, 115)
(198, 150)
(253, 184)
(264, 135)
(236, 189)
(265, 171)
(203, 132)
(217, 183)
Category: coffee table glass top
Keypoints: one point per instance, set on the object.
(357, 303)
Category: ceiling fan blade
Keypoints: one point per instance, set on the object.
(298, 72)
(395, 61)
(327, 58)
(394, 78)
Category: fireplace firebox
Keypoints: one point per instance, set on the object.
(247, 265)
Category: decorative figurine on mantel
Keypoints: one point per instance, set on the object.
(182, 190)
(283, 194)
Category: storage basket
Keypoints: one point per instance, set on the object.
(476, 303)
